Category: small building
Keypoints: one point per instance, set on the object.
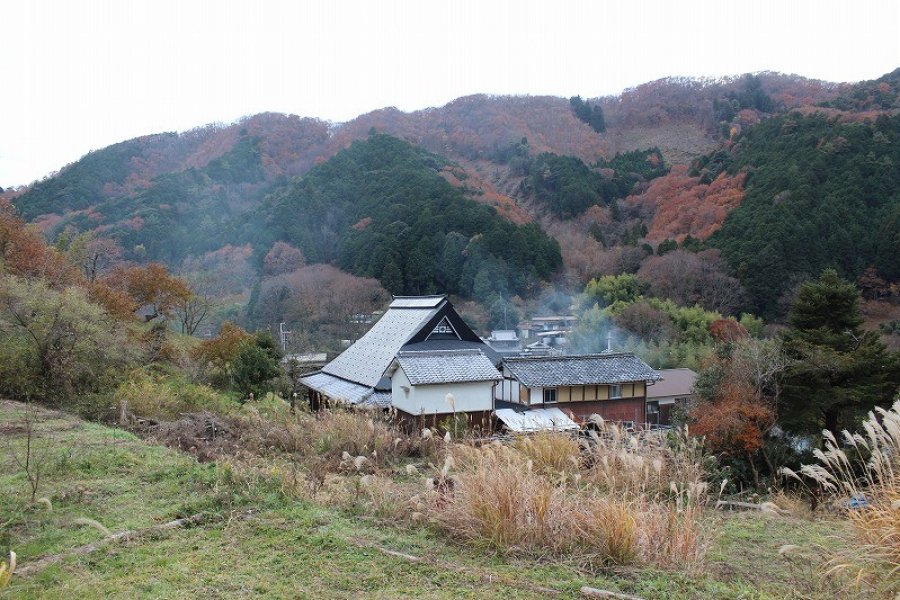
(676, 387)
(433, 385)
(504, 342)
(611, 385)
(416, 354)
(306, 362)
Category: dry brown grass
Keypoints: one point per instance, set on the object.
(499, 498)
(865, 467)
(611, 499)
(647, 467)
(551, 452)
(6, 570)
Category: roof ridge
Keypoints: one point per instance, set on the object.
(572, 356)
(446, 352)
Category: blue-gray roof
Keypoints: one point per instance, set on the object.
(587, 369)
(447, 366)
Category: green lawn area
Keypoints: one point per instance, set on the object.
(260, 543)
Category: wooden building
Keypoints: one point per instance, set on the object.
(417, 353)
(611, 385)
(675, 388)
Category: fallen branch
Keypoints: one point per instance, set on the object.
(766, 507)
(486, 577)
(122, 536)
(590, 592)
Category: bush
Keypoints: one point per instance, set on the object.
(166, 397)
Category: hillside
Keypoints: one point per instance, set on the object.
(381, 209)
(671, 162)
(819, 193)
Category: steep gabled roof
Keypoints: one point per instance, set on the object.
(447, 366)
(367, 359)
(587, 369)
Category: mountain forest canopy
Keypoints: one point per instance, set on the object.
(381, 209)
(819, 193)
(675, 163)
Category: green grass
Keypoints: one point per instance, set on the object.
(289, 548)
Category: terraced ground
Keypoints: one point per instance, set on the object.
(254, 540)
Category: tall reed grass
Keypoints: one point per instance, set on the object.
(862, 473)
(6, 570)
(654, 465)
(537, 496)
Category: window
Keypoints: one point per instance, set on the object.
(615, 391)
(549, 395)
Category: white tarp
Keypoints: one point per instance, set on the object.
(537, 419)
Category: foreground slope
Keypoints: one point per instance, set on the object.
(256, 540)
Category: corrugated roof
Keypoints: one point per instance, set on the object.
(447, 366)
(417, 301)
(536, 419)
(367, 359)
(588, 369)
(675, 382)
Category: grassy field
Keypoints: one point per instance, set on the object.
(258, 541)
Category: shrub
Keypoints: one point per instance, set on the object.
(165, 397)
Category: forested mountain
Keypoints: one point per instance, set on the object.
(820, 193)
(766, 164)
(380, 209)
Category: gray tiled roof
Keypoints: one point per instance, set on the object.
(417, 301)
(379, 399)
(346, 391)
(431, 345)
(588, 369)
(367, 359)
(337, 388)
(447, 366)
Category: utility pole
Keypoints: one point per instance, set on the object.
(282, 334)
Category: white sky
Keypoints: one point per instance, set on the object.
(77, 75)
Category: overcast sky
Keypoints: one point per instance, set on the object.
(80, 75)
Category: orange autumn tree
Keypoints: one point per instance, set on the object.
(151, 287)
(737, 391)
(23, 252)
(219, 353)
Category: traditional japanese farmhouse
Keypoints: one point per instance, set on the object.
(421, 358)
(675, 388)
(612, 385)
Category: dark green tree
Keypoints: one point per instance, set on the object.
(257, 365)
(837, 372)
(666, 246)
(392, 278)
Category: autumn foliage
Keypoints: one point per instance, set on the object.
(684, 206)
(23, 252)
(737, 392)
